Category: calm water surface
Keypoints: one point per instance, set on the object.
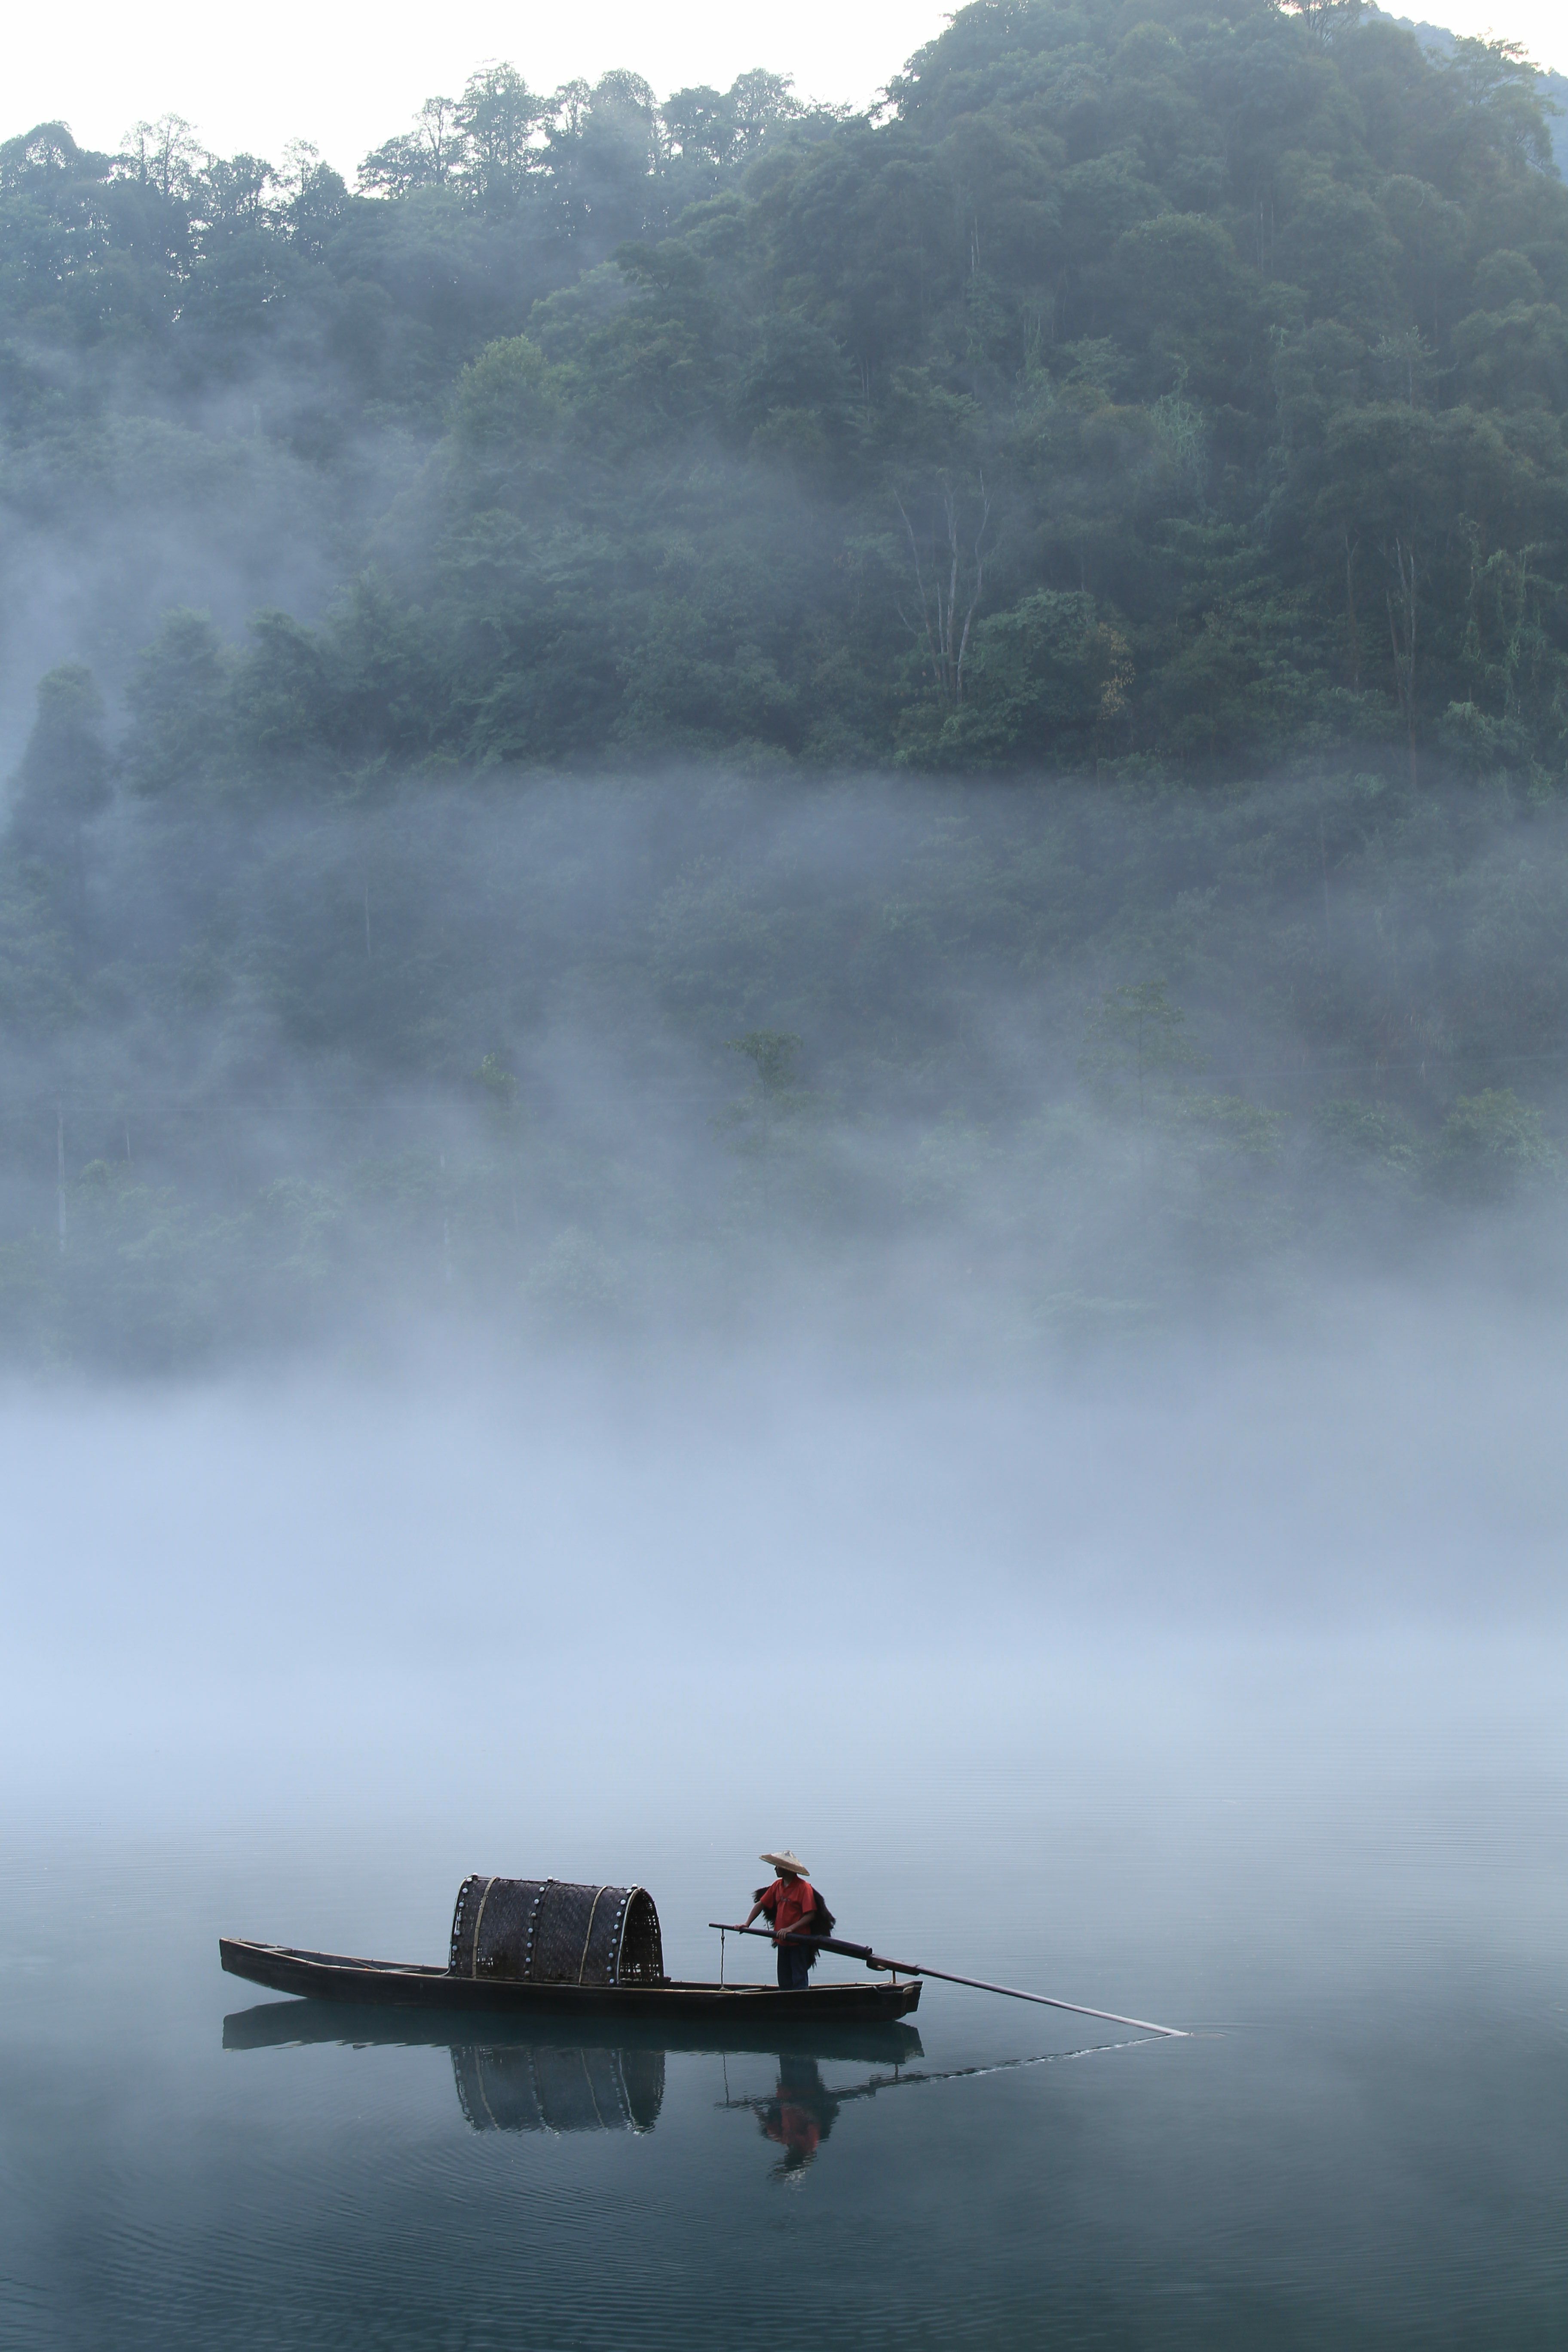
(1335, 1851)
(1364, 2141)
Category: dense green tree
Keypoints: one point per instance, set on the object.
(62, 781)
(177, 697)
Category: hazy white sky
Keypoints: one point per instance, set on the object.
(347, 73)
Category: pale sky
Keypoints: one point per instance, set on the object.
(348, 73)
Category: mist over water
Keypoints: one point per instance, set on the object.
(1215, 1677)
(656, 1340)
(948, 1078)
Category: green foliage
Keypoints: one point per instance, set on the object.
(1371, 1140)
(1492, 1143)
(771, 1053)
(62, 781)
(505, 398)
(1049, 681)
(176, 698)
(769, 1130)
(499, 1084)
(1144, 385)
(38, 995)
(1136, 1042)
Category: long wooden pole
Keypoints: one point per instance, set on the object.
(914, 1968)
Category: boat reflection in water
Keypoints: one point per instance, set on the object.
(524, 2077)
(537, 2089)
(512, 2080)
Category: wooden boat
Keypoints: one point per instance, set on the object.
(333, 1976)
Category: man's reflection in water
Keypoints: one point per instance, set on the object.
(798, 2117)
(803, 2110)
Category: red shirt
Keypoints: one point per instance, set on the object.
(794, 2129)
(785, 1905)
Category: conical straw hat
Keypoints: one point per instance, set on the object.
(786, 1861)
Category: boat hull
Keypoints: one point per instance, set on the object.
(333, 1976)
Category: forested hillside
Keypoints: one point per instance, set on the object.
(672, 705)
(1152, 384)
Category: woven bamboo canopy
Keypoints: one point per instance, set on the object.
(548, 1931)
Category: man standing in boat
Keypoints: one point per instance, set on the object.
(788, 1903)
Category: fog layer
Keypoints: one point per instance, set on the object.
(673, 1060)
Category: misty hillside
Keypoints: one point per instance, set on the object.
(1166, 386)
(673, 706)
